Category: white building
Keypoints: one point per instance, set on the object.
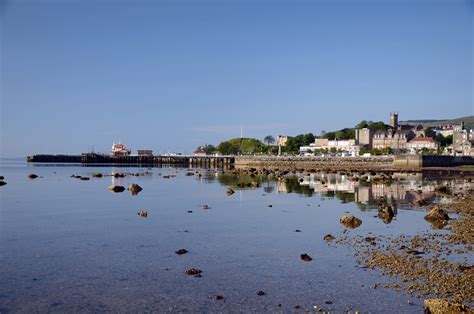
(418, 143)
(344, 146)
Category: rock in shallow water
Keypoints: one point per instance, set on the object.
(305, 257)
(134, 189)
(32, 176)
(350, 221)
(193, 272)
(116, 188)
(328, 237)
(436, 213)
(181, 251)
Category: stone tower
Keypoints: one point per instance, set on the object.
(394, 120)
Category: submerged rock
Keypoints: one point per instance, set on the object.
(134, 189)
(193, 272)
(437, 306)
(116, 188)
(32, 176)
(181, 251)
(350, 221)
(328, 237)
(305, 257)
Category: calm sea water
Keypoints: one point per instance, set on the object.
(71, 245)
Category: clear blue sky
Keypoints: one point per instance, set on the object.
(171, 75)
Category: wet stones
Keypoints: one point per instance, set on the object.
(2, 183)
(143, 214)
(305, 257)
(328, 237)
(32, 176)
(85, 178)
(97, 175)
(118, 175)
(195, 272)
(76, 176)
(437, 306)
(181, 251)
(441, 189)
(230, 191)
(350, 221)
(386, 213)
(2, 178)
(116, 188)
(437, 214)
(134, 189)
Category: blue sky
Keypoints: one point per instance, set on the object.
(171, 75)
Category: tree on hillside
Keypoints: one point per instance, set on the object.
(429, 132)
(444, 141)
(380, 125)
(243, 146)
(294, 143)
(269, 139)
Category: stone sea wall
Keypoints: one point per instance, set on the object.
(306, 163)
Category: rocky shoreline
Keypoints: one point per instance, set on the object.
(436, 266)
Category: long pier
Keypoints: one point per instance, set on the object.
(178, 160)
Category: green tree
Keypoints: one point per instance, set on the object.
(294, 143)
(244, 146)
(444, 141)
(363, 124)
(430, 133)
(269, 140)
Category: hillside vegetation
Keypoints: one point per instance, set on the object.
(468, 122)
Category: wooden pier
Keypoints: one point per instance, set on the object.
(177, 160)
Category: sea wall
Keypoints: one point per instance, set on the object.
(296, 162)
(426, 161)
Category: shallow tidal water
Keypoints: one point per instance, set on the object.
(70, 245)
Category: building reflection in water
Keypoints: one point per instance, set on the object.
(408, 189)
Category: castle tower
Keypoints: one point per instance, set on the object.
(394, 120)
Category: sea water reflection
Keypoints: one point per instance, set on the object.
(70, 245)
(407, 190)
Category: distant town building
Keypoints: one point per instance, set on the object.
(419, 143)
(395, 139)
(444, 129)
(394, 120)
(145, 152)
(200, 151)
(364, 137)
(281, 140)
(347, 146)
(463, 141)
(119, 149)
